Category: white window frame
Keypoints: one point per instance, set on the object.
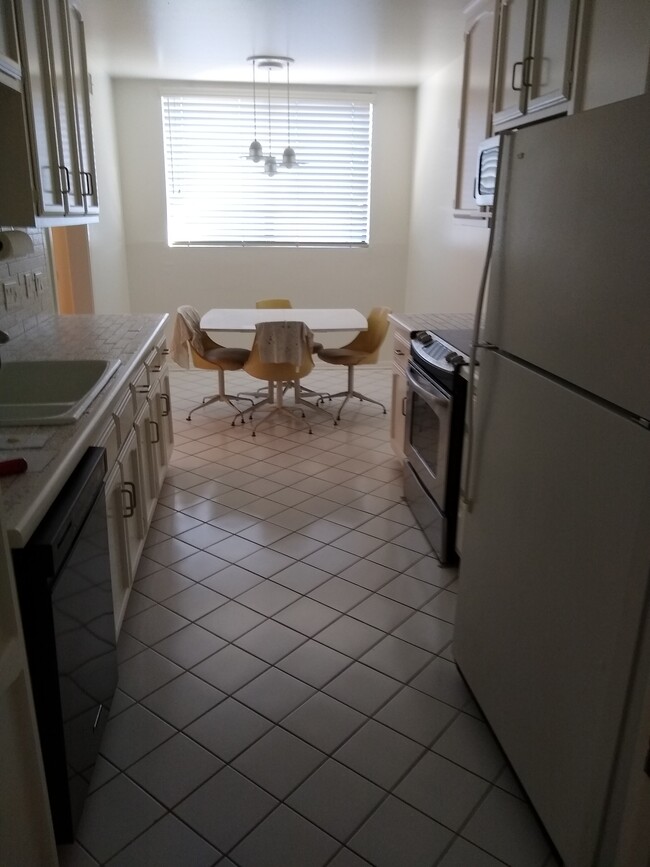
(215, 196)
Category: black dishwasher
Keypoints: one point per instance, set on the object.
(66, 603)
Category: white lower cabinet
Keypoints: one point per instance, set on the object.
(138, 442)
(401, 352)
(127, 527)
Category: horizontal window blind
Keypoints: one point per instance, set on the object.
(217, 196)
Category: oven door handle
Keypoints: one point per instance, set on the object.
(428, 394)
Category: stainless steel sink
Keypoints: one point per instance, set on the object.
(50, 392)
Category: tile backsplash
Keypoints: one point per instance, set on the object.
(26, 291)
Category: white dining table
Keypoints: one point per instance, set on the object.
(315, 318)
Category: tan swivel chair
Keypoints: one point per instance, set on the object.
(292, 365)
(364, 349)
(205, 354)
(284, 303)
(267, 303)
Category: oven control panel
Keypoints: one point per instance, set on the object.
(432, 351)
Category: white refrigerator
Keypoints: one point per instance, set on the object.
(553, 634)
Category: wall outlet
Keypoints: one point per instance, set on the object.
(11, 292)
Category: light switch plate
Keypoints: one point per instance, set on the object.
(11, 292)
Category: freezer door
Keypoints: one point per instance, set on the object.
(552, 590)
(571, 268)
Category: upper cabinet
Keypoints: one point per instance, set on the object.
(47, 169)
(475, 122)
(535, 52)
(9, 59)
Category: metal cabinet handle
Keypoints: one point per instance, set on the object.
(165, 351)
(142, 389)
(514, 70)
(87, 186)
(67, 187)
(525, 73)
(155, 425)
(164, 398)
(399, 352)
(128, 488)
(404, 399)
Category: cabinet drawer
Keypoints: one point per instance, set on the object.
(109, 440)
(123, 416)
(140, 387)
(401, 350)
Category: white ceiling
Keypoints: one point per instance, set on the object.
(339, 42)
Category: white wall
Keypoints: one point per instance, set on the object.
(106, 238)
(110, 285)
(161, 278)
(445, 255)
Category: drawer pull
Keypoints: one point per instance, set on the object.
(129, 489)
(142, 389)
(404, 399)
(399, 352)
(154, 424)
(164, 399)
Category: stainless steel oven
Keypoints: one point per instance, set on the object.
(435, 417)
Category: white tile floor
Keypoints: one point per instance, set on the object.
(287, 693)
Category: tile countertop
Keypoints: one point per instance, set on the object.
(27, 497)
(431, 321)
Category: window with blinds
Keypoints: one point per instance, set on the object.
(215, 195)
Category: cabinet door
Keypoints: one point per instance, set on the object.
(148, 439)
(166, 424)
(401, 353)
(398, 413)
(475, 117)
(81, 95)
(121, 577)
(57, 35)
(515, 18)
(549, 76)
(48, 176)
(9, 57)
(133, 499)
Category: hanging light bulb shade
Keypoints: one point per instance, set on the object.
(289, 158)
(255, 150)
(289, 155)
(270, 166)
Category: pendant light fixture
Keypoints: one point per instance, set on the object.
(255, 150)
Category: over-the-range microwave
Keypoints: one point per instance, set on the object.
(485, 180)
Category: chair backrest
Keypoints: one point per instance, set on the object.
(199, 342)
(273, 302)
(370, 341)
(281, 370)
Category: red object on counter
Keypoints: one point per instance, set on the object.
(13, 467)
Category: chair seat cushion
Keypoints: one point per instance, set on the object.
(342, 356)
(227, 355)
